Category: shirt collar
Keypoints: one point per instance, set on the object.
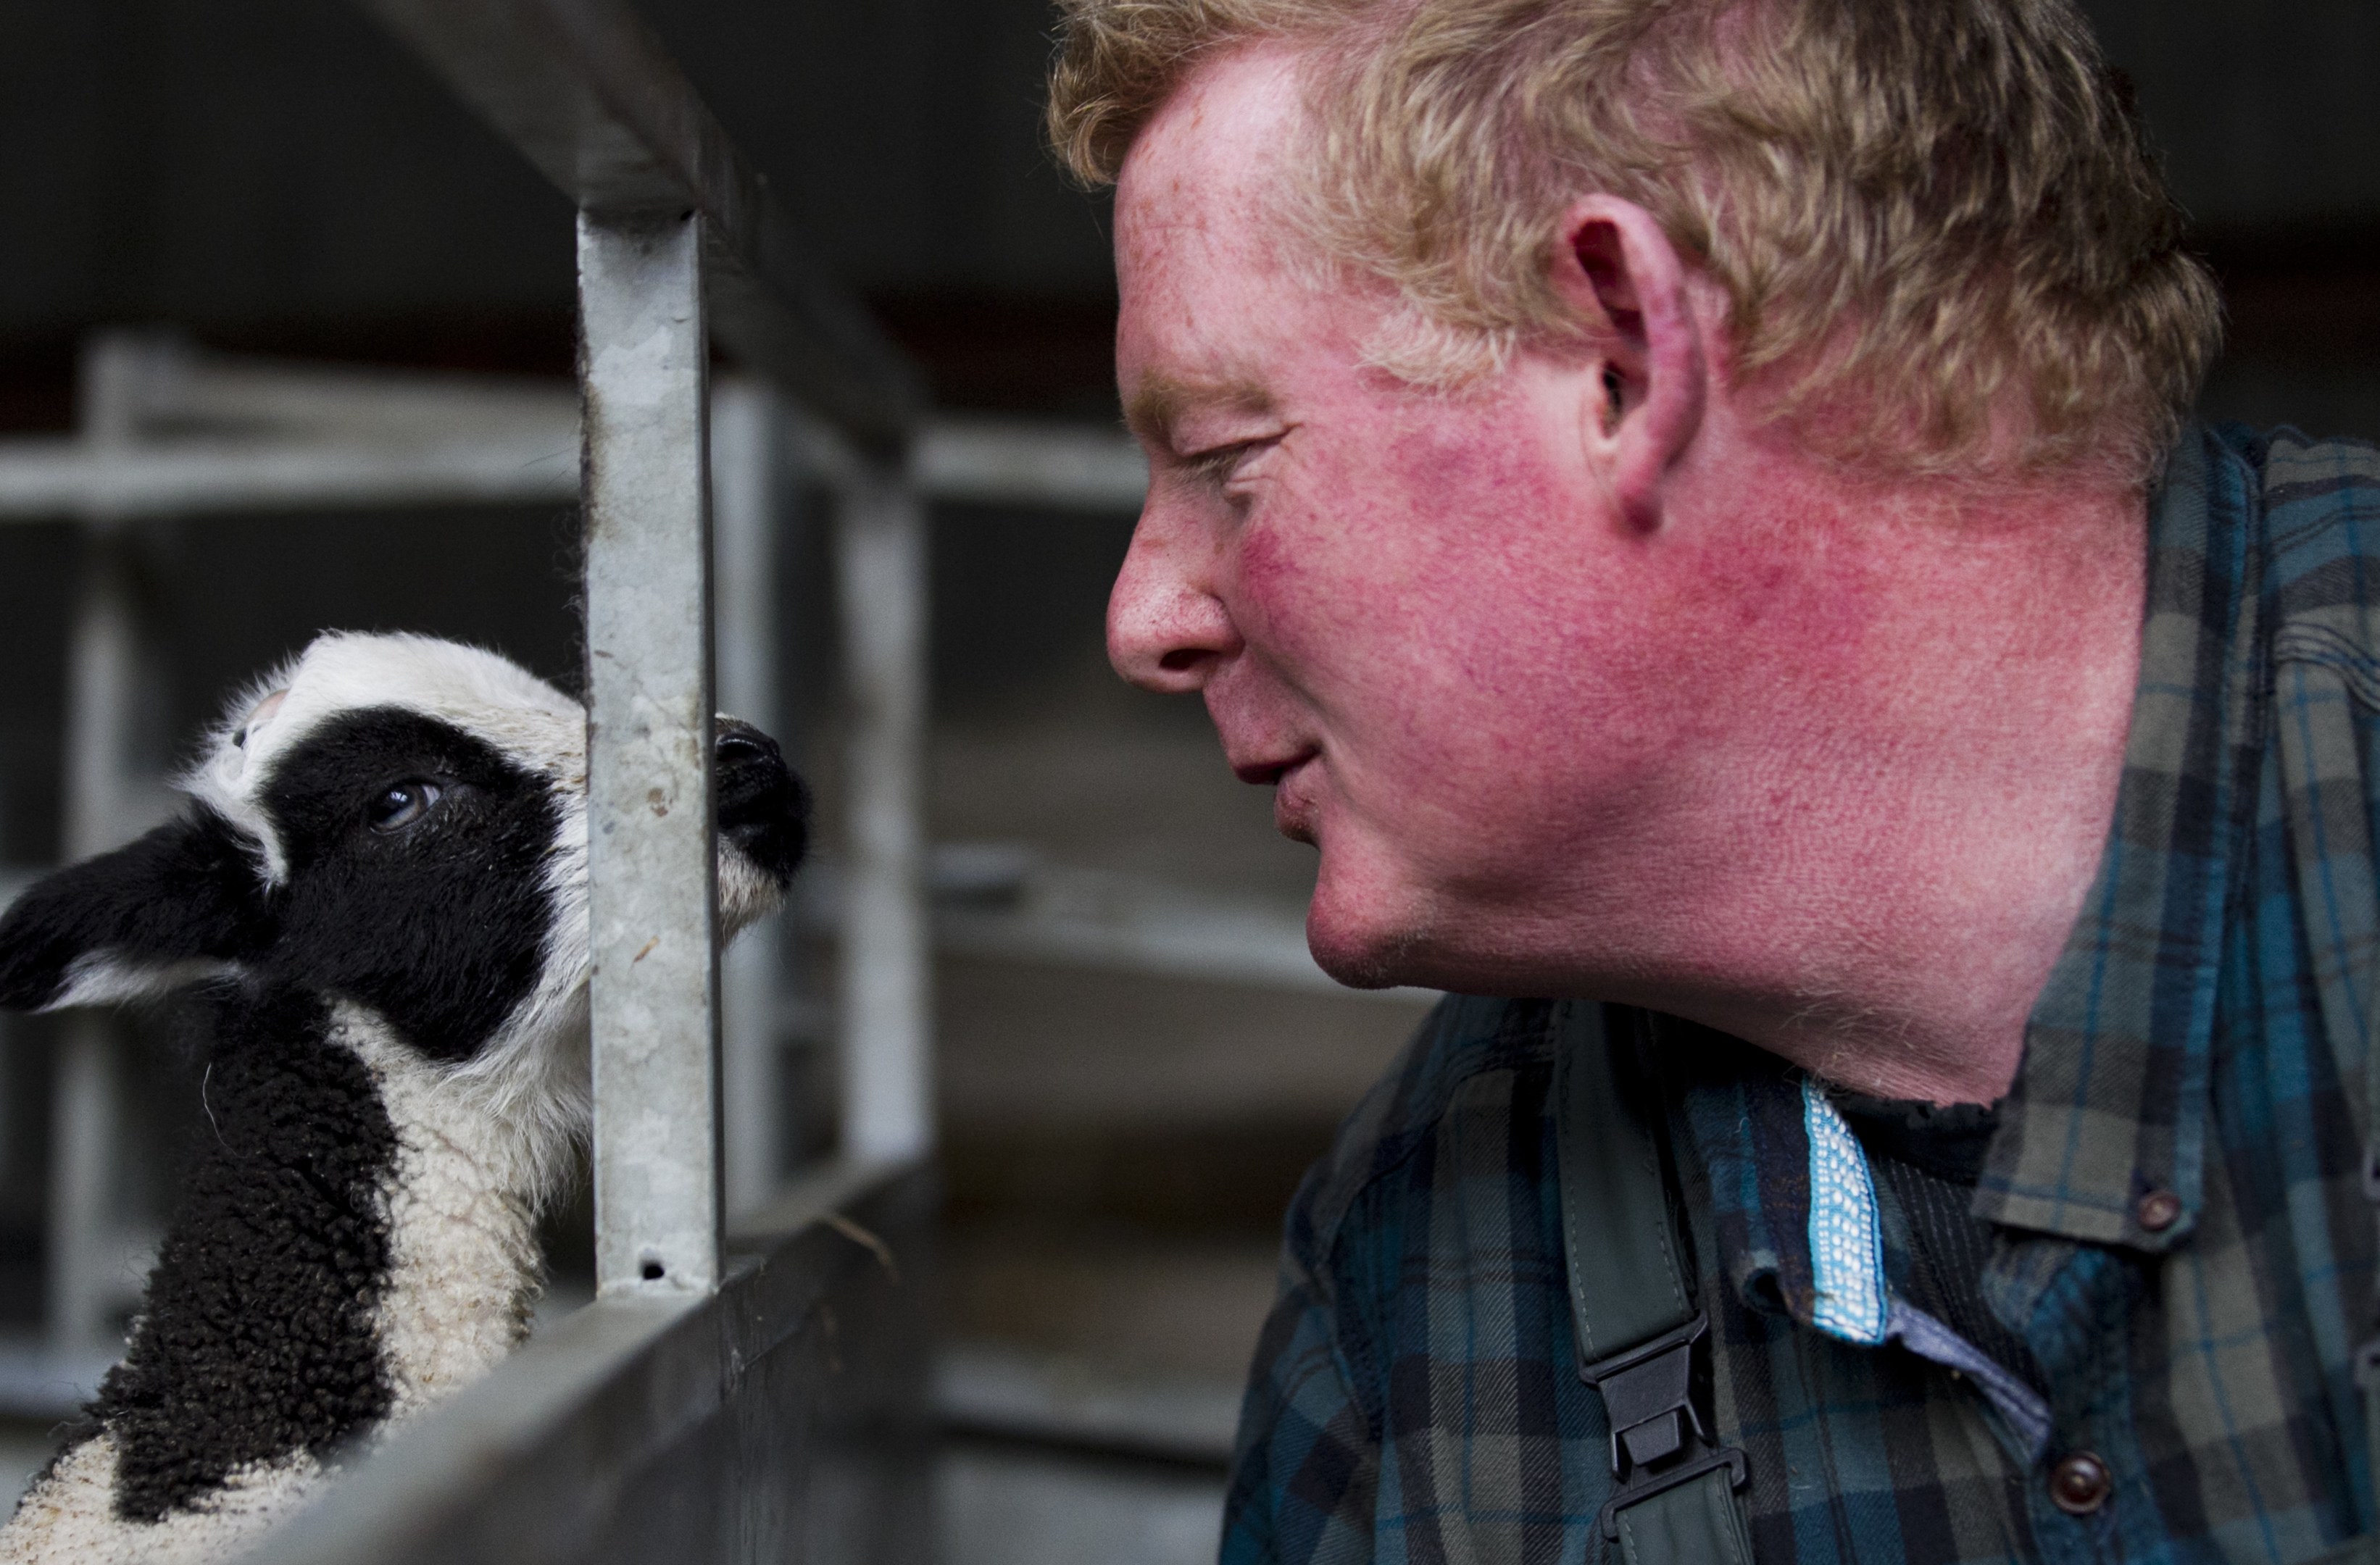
(2109, 1104)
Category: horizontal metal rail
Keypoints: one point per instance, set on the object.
(616, 1435)
(583, 90)
(1073, 918)
(44, 479)
(1028, 465)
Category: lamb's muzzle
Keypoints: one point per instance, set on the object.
(379, 893)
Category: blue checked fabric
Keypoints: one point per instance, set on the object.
(1414, 1396)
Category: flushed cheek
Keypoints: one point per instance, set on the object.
(1391, 557)
(1459, 688)
(1455, 684)
(1435, 791)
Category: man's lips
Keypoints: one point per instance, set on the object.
(1270, 771)
(1293, 808)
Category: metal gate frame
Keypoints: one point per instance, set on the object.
(709, 1404)
(760, 1393)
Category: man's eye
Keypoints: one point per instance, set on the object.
(1217, 466)
(1214, 467)
(402, 804)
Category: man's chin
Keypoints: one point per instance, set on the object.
(1363, 956)
(1364, 951)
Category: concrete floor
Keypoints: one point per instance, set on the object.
(1017, 1506)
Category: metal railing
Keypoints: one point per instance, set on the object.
(678, 237)
(689, 1372)
(702, 1406)
(753, 1391)
(187, 435)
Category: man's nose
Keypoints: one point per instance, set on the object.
(1167, 630)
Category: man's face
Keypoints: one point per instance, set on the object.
(1417, 613)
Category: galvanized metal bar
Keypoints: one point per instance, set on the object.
(652, 896)
(1017, 462)
(86, 1114)
(1098, 919)
(747, 506)
(583, 90)
(353, 442)
(187, 389)
(103, 806)
(44, 479)
(887, 992)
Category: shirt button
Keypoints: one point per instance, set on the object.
(2079, 1484)
(2157, 1210)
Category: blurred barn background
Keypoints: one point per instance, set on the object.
(275, 177)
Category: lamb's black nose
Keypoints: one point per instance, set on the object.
(739, 741)
(763, 808)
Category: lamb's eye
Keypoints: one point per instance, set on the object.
(402, 804)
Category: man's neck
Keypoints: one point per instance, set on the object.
(1876, 878)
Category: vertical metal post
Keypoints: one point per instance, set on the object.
(746, 460)
(652, 898)
(87, 1105)
(888, 1108)
(105, 804)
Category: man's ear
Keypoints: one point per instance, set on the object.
(178, 906)
(1615, 267)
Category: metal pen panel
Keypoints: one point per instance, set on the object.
(784, 1420)
(886, 978)
(747, 507)
(94, 1264)
(652, 897)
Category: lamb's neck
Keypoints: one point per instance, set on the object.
(465, 1270)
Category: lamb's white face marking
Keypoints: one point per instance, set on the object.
(528, 721)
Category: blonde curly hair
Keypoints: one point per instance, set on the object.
(1944, 237)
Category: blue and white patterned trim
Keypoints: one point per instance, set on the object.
(1846, 1240)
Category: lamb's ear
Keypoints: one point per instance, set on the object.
(179, 906)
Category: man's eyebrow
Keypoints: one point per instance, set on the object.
(1159, 401)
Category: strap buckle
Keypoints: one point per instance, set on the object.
(1647, 1396)
(1650, 1484)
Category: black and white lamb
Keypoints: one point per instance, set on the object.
(378, 894)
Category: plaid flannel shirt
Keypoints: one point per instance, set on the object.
(2183, 1240)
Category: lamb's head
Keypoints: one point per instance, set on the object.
(398, 824)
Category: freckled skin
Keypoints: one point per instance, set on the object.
(1636, 703)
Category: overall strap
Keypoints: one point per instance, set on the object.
(1675, 1500)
